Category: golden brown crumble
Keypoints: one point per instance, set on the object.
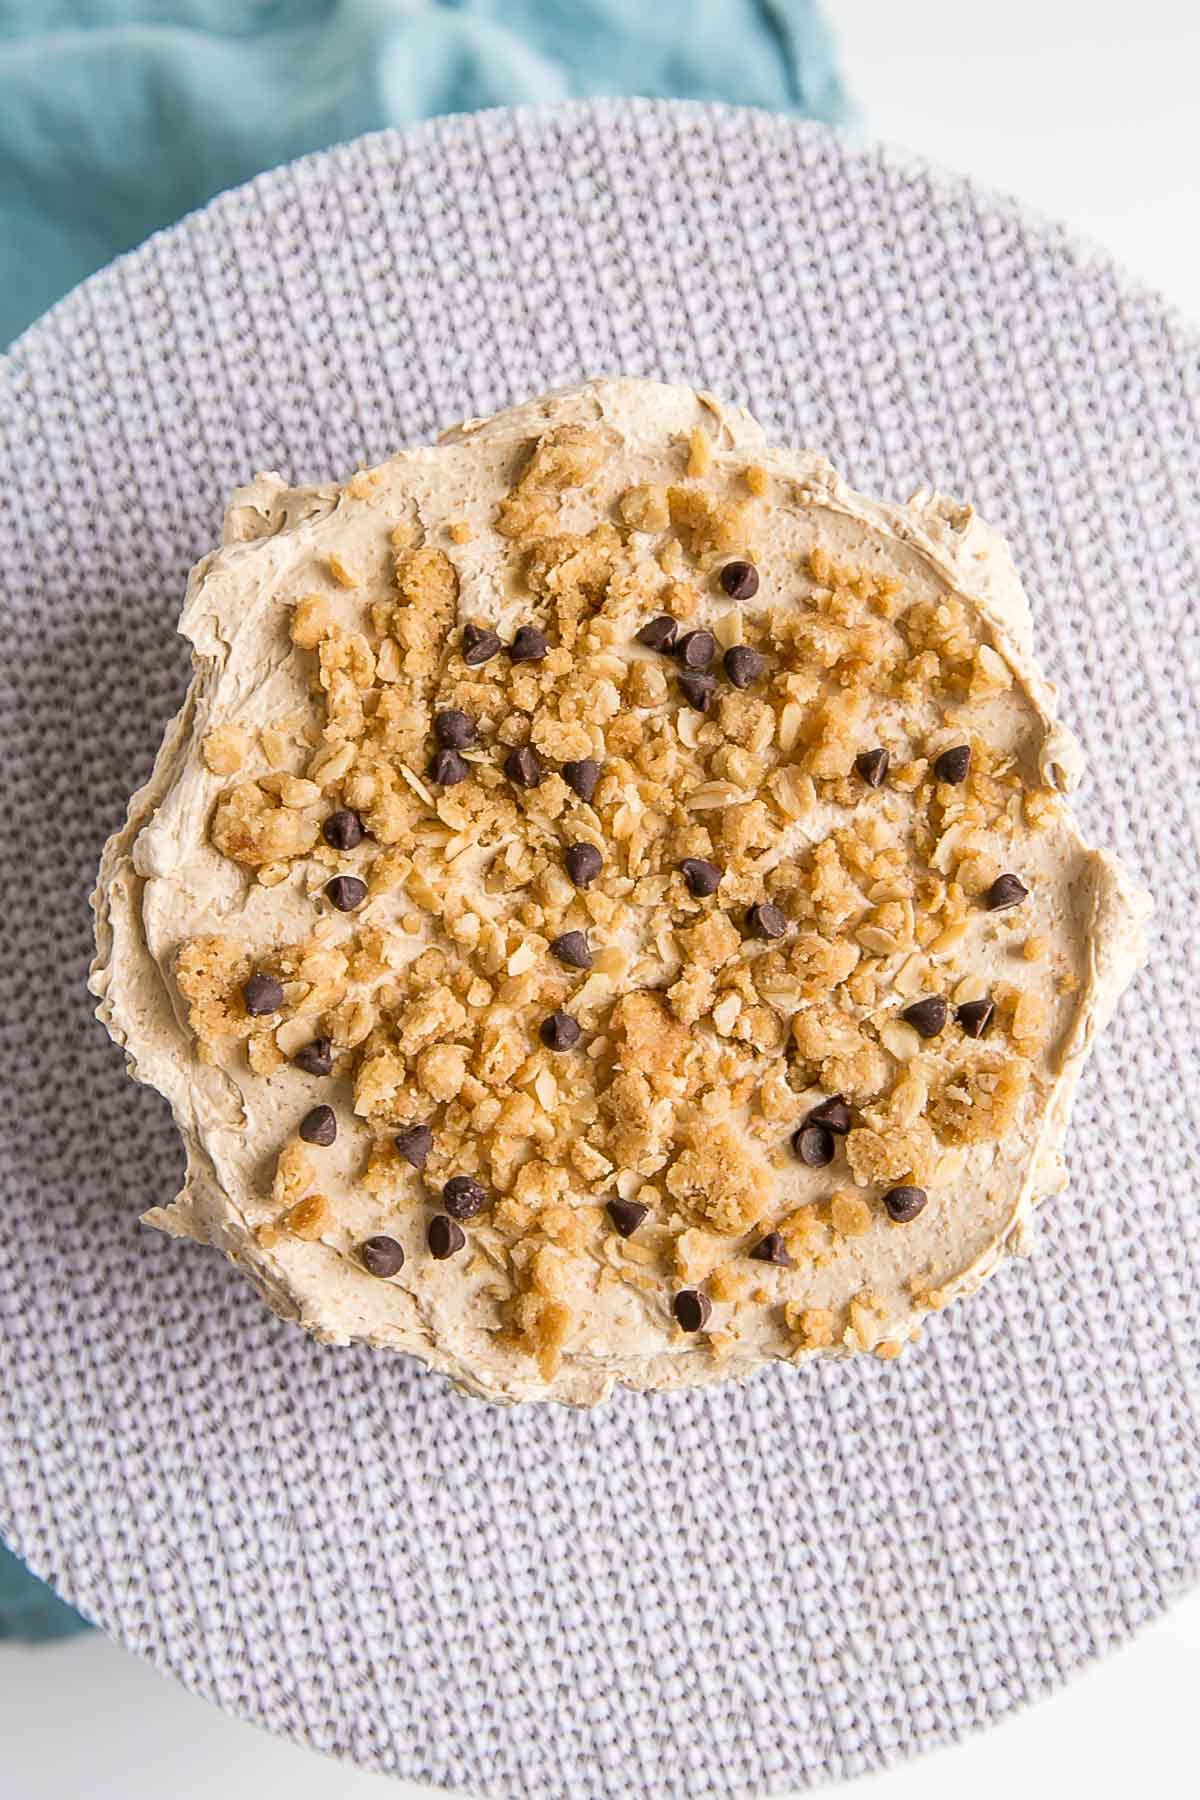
(699, 460)
(645, 508)
(816, 1326)
(311, 620)
(226, 748)
(309, 1217)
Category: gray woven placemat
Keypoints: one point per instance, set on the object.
(702, 1594)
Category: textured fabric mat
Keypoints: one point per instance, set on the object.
(730, 1591)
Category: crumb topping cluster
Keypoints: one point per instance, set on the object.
(644, 936)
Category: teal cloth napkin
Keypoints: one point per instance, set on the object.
(116, 118)
(31, 1612)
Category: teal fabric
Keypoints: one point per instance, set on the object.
(117, 117)
(31, 1612)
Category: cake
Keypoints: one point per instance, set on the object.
(607, 911)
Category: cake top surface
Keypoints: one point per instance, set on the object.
(607, 910)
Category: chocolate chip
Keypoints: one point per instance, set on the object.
(447, 768)
(453, 730)
(1005, 891)
(583, 862)
(772, 1249)
(582, 777)
(697, 649)
(262, 994)
(572, 949)
(659, 634)
(952, 766)
(463, 1197)
(692, 1309)
(381, 1256)
(814, 1145)
(904, 1203)
(626, 1215)
(975, 1016)
(559, 1032)
(743, 665)
(478, 645)
(697, 690)
(346, 892)
(766, 921)
(524, 766)
(414, 1142)
(872, 766)
(343, 830)
(315, 1058)
(927, 1016)
(528, 645)
(444, 1237)
(833, 1114)
(740, 580)
(319, 1126)
(703, 878)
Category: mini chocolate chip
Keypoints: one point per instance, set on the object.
(524, 766)
(262, 994)
(315, 1058)
(834, 1114)
(453, 730)
(444, 1237)
(582, 777)
(448, 768)
(463, 1197)
(559, 1032)
(343, 830)
(528, 645)
(743, 665)
(772, 1249)
(740, 580)
(1005, 891)
(904, 1203)
(583, 862)
(572, 949)
(346, 892)
(319, 1126)
(659, 634)
(479, 645)
(697, 649)
(766, 921)
(953, 766)
(414, 1142)
(697, 690)
(814, 1145)
(975, 1016)
(703, 878)
(872, 765)
(626, 1215)
(692, 1309)
(927, 1016)
(381, 1256)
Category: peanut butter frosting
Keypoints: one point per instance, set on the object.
(607, 910)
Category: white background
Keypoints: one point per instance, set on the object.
(1087, 110)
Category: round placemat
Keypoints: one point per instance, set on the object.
(734, 1590)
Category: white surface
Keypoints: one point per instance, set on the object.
(1085, 111)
